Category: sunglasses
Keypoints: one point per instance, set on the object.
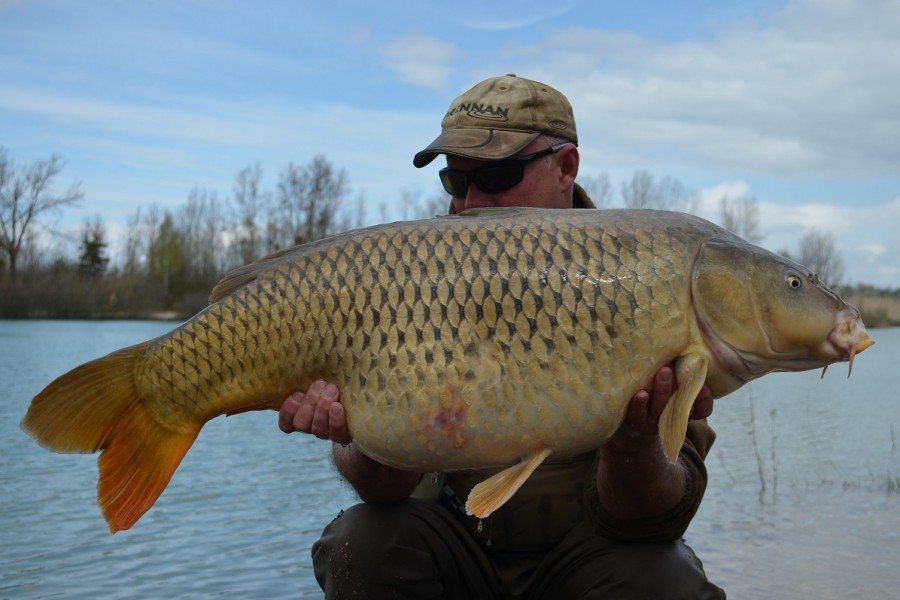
(495, 177)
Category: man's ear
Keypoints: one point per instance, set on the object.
(568, 158)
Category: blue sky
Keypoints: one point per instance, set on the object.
(796, 102)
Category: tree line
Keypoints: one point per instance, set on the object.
(171, 259)
(738, 214)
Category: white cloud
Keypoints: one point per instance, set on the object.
(708, 200)
(812, 91)
(488, 16)
(421, 60)
(874, 251)
(359, 36)
(864, 236)
(781, 105)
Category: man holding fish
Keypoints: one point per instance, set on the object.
(604, 524)
(521, 356)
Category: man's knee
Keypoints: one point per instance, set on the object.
(359, 534)
(373, 547)
(587, 566)
(368, 524)
(664, 570)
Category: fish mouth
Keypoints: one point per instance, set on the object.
(847, 339)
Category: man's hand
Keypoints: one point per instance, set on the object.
(634, 478)
(640, 427)
(318, 411)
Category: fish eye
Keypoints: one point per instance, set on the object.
(794, 281)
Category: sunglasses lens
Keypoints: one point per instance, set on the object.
(497, 178)
(490, 179)
(493, 178)
(456, 183)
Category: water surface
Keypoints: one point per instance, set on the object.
(803, 499)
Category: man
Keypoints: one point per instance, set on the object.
(607, 524)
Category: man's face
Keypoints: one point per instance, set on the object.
(544, 184)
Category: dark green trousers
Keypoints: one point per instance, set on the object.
(417, 549)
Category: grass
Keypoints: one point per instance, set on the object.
(878, 309)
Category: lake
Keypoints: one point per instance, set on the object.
(803, 498)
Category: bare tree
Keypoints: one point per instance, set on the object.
(638, 192)
(415, 205)
(644, 191)
(274, 230)
(671, 193)
(740, 216)
(134, 243)
(25, 195)
(692, 204)
(357, 218)
(818, 252)
(32, 254)
(599, 188)
(200, 233)
(150, 225)
(309, 199)
(436, 204)
(248, 204)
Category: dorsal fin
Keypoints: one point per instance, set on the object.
(235, 280)
(241, 276)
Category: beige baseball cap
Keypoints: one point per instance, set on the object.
(499, 117)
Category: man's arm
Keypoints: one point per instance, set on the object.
(319, 411)
(373, 481)
(635, 480)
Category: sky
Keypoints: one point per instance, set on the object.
(794, 102)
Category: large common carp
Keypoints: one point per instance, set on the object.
(492, 338)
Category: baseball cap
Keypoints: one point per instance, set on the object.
(499, 117)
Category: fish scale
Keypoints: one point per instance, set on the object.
(492, 338)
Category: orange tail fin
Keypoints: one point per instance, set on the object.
(96, 407)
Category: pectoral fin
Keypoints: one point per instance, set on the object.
(690, 374)
(493, 492)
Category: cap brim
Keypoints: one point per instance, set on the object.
(480, 144)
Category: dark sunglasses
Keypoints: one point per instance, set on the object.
(494, 177)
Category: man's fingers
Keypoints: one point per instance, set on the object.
(322, 397)
(639, 405)
(318, 411)
(703, 406)
(660, 393)
(337, 424)
(662, 384)
(287, 412)
(320, 419)
(303, 418)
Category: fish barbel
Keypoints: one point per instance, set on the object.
(492, 338)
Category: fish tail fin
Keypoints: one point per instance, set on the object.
(97, 407)
(690, 375)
